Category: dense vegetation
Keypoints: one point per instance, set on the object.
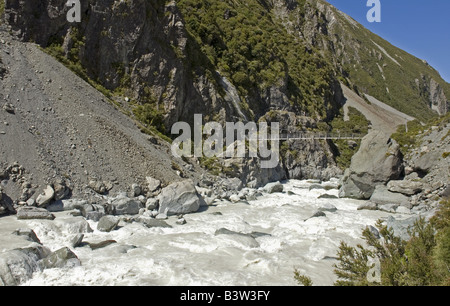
(409, 140)
(2, 10)
(356, 124)
(423, 260)
(244, 41)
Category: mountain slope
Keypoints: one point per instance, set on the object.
(368, 63)
(233, 60)
(58, 127)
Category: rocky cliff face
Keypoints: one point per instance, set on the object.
(433, 92)
(143, 50)
(138, 45)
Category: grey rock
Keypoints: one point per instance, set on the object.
(18, 265)
(246, 239)
(162, 216)
(368, 206)
(374, 231)
(235, 198)
(401, 227)
(100, 187)
(27, 213)
(405, 187)
(152, 203)
(76, 240)
(382, 195)
(107, 223)
(101, 244)
(181, 221)
(136, 190)
(126, 206)
(273, 187)
(233, 184)
(327, 207)
(446, 193)
(94, 215)
(86, 209)
(210, 200)
(150, 222)
(153, 184)
(61, 258)
(44, 198)
(388, 207)
(403, 210)
(327, 196)
(9, 108)
(70, 204)
(56, 206)
(225, 231)
(317, 214)
(179, 198)
(29, 234)
(377, 161)
(74, 225)
(6, 204)
(31, 202)
(61, 190)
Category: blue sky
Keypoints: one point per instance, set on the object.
(420, 27)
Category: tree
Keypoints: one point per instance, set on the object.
(423, 260)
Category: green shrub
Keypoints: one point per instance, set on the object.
(150, 115)
(255, 51)
(302, 279)
(408, 140)
(423, 260)
(356, 125)
(2, 10)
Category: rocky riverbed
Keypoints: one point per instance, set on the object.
(254, 237)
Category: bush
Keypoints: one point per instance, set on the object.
(357, 125)
(2, 10)
(150, 115)
(423, 260)
(408, 140)
(302, 279)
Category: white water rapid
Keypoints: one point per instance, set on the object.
(192, 254)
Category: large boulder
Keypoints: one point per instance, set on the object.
(273, 187)
(108, 223)
(46, 197)
(18, 265)
(27, 213)
(405, 187)
(377, 162)
(6, 204)
(74, 225)
(179, 198)
(382, 195)
(61, 258)
(126, 206)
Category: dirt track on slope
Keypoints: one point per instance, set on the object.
(382, 116)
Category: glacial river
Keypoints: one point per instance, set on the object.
(191, 254)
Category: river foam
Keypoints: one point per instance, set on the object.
(193, 254)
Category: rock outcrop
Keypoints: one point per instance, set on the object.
(377, 162)
(18, 265)
(179, 198)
